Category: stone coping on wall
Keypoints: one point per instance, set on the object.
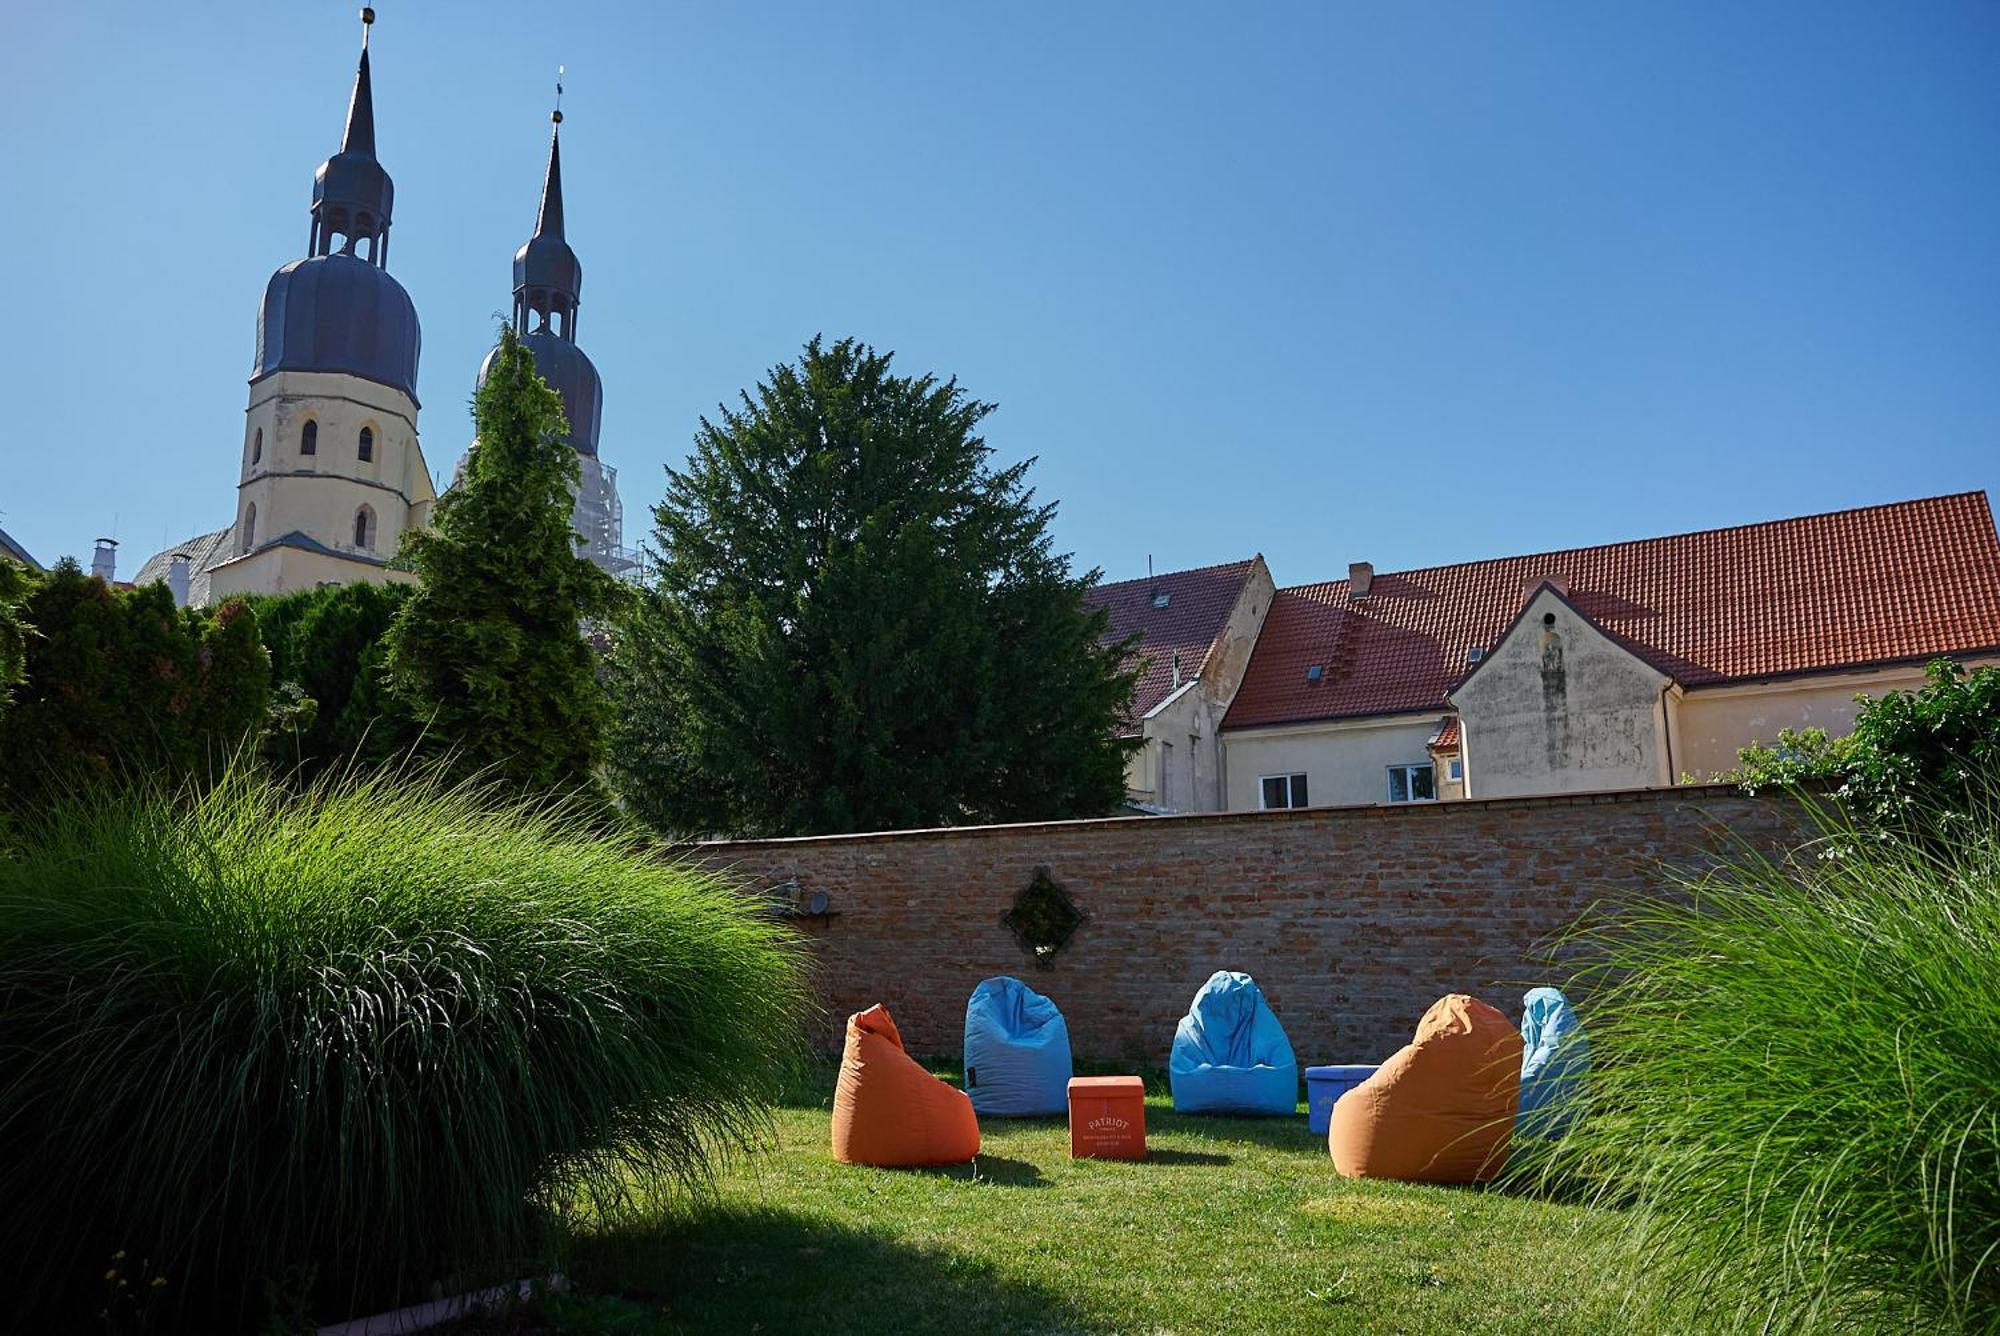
(1355, 811)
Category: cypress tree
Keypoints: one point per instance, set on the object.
(856, 621)
(490, 651)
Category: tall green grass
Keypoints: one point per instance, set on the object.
(356, 1042)
(1796, 1085)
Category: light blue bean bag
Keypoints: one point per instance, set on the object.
(1016, 1051)
(1230, 1054)
(1555, 1058)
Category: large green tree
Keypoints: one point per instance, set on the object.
(856, 621)
(491, 651)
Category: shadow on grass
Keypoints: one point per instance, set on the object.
(983, 1168)
(1168, 1155)
(775, 1271)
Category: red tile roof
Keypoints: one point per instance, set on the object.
(1198, 604)
(1884, 583)
(1446, 738)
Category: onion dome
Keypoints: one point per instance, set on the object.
(338, 310)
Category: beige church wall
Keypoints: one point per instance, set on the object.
(322, 507)
(1559, 707)
(1345, 761)
(320, 494)
(283, 570)
(1716, 722)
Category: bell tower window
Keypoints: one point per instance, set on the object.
(257, 447)
(364, 529)
(365, 450)
(250, 526)
(309, 438)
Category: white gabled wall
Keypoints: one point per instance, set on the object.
(1559, 707)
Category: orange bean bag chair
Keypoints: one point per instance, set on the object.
(890, 1112)
(1441, 1109)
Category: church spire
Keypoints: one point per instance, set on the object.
(360, 136)
(352, 194)
(548, 278)
(549, 222)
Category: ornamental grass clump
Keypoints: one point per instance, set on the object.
(1796, 1084)
(347, 1045)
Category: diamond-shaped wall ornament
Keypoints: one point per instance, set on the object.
(1043, 917)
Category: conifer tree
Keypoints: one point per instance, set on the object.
(856, 621)
(490, 651)
(13, 639)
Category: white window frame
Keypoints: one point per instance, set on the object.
(1454, 769)
(1294, 782)
(1408, 770)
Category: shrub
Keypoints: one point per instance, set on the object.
(359, 1039)
(1919, 755)
(122, 683)
(1912, 761)
(328, 658)
(1797, 1082)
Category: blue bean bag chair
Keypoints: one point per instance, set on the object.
(1230, 1054)
(1555, 1058)
(1016, 1051)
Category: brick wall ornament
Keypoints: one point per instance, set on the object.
(1353, 919)
(1043, 918)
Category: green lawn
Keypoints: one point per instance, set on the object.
(1230, 1225)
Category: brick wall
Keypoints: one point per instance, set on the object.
(1352, 919)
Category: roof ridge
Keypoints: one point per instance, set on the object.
(1976, 493)
(1156, 577)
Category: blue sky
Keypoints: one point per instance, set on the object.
(1400, 283)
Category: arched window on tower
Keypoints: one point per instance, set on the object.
(365, 451)
(309, 438)
(257, 447)
(364, 529)
(249, 526)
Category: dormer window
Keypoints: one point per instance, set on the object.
(1161, 598)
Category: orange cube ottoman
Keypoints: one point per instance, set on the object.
(1107, 1118)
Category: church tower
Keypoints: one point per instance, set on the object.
(548, 284)
(331, 473)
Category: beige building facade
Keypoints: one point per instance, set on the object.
(333, 476)
(1632, 665)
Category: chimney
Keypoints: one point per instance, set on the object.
(177, 579)
(104, 561)
(1360, 574)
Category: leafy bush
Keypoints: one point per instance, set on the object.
(1918, 755)
(122, 683)
(1801, 756)
(1797, 1082)
(328, 659)
(358, 1040)
(1913, 756)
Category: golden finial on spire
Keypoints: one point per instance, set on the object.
(367, 21)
